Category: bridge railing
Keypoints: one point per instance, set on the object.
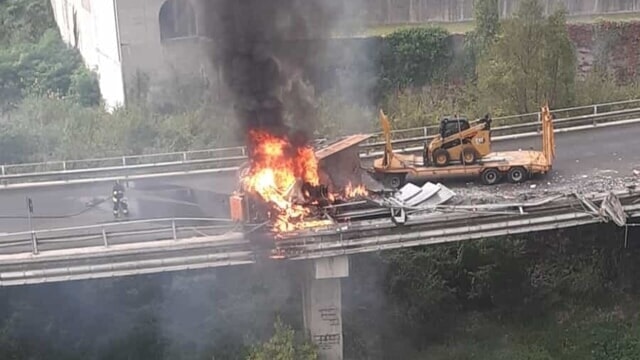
(517, 124)
(102, 236)
(403, 139)
(231, 154)
(105, 235)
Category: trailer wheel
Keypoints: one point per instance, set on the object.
(490, 176)
(394, 181)
(468, 155)
(441, 157)
(517, 175)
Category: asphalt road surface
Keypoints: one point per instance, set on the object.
(611, 152)
(614, 150)
(86, 204)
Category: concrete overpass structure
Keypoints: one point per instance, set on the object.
(179, 218)
(160, 245)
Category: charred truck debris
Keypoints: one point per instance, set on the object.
(275, 105)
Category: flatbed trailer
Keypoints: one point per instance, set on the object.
(516, 166)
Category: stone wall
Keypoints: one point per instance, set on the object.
(381, 12)
(612, 46)
(352, 62)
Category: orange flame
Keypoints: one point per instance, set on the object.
(276, 165)
(350, 191)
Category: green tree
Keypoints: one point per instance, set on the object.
(487, 17)
(559, 60)
(415, 57)
(84, 88)
(24, 20)
(46, 68)
(283, 346)
(532, 61)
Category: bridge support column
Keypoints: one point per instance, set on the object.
(322, 305)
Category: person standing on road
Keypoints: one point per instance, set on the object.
(117, 194)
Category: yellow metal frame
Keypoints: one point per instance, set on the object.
(533, 161)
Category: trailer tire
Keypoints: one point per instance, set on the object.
(490, 176)
(440, 157)
(517, 175)
(468, 155)
(394, 181)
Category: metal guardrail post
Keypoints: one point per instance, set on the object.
(34, 242)
(104, 237)
(124, 161)
(425, 131)
(3, 170)
(173, 228)
(184, 156)
(64, 165)
(539, 126)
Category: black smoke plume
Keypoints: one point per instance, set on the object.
(268, 87)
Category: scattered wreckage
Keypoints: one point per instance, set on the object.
(299, 194)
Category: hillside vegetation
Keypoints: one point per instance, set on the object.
(49, 103)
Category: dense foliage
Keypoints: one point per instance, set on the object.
(415, 57)
(35, 62)
(487, 17)
(24, 21)
(565, 295)
(283, 346)
(521, 73)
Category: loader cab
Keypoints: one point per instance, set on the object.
(450, 126)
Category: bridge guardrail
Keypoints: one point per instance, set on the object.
(233, 156)
(135, 231)
(533, 126)
(503, 121)
(122, 162)
(176, 229)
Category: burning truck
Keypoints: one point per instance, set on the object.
(289, 185)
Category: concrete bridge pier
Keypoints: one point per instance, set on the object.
(322, 304)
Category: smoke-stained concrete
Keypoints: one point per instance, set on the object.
(322, 305)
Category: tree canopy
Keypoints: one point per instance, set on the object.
(532, 60)
(283, 345)
(415, 57)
